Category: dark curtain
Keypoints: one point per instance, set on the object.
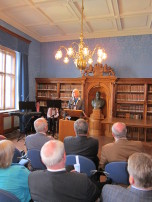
(23, 78)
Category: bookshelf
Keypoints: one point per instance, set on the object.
(57, 88)
(133, 101)
(133, 98)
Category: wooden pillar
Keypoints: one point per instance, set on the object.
(95, 126)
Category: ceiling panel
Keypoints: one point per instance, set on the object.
(55, 20)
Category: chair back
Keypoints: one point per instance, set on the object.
(117, 172)
(35, 159)
(17, 156)
(6, 196)
(86, 165)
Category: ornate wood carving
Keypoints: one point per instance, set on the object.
(98, 70)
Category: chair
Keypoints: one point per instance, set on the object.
(17, 156)
(117, 172)
(6, 196)
(86, 165)
(34, 156)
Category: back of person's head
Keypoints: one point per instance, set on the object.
(119, 130)
(6, 153)
(41, 125)
(81, 127)
(140, 168)
(52, 153)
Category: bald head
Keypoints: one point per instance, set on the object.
(52, 154)
(41, 125)
(119, 130)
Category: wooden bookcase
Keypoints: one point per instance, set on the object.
(57, 88)
(133, 98)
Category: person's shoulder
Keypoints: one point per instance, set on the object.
(69, 138)
(30, 136)
(37, 173)
(93, 140)
(111, 191)
(109, 145)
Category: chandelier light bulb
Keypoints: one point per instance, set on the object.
(85, 51)
(70, 51)
(104, 56)
(90, 61)
(66, 60)
(100, 52)
(99, 60)
(58, 55)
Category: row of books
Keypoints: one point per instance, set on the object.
(129, 115)
(150, 88)
(47, 86)
(130, 88)
(150, 97)
(130, 97)
(70, 87)
(136, 108)
(47, 94)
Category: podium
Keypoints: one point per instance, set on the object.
(66, 127)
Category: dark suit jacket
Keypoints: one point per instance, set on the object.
(82, 145)
(111, 193)
(61, 186)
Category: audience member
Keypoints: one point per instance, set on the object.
(14, 177)
(121, 148)
(55, 184)
(82, 144)
(52, 117)
(36, 141)
(140, 178)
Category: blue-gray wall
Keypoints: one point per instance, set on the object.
(129, 56)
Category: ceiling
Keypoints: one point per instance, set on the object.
(56, 20)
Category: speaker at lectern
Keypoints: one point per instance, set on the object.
(73, 114)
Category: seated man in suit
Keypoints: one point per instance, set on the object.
(36, 141)
(140, 178)
(82, 144)
(121, 148)
(55, 184)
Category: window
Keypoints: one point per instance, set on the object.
(7, 78)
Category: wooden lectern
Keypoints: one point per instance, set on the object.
(66, 127)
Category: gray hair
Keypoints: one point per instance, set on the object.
(6, 153)
(119, 130)
(74, 91)
(140, 168)
(40, 125)
(80, 127)
(52, 152)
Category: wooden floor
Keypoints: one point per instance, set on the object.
(102, 141)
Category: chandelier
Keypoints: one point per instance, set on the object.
(80, 53)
